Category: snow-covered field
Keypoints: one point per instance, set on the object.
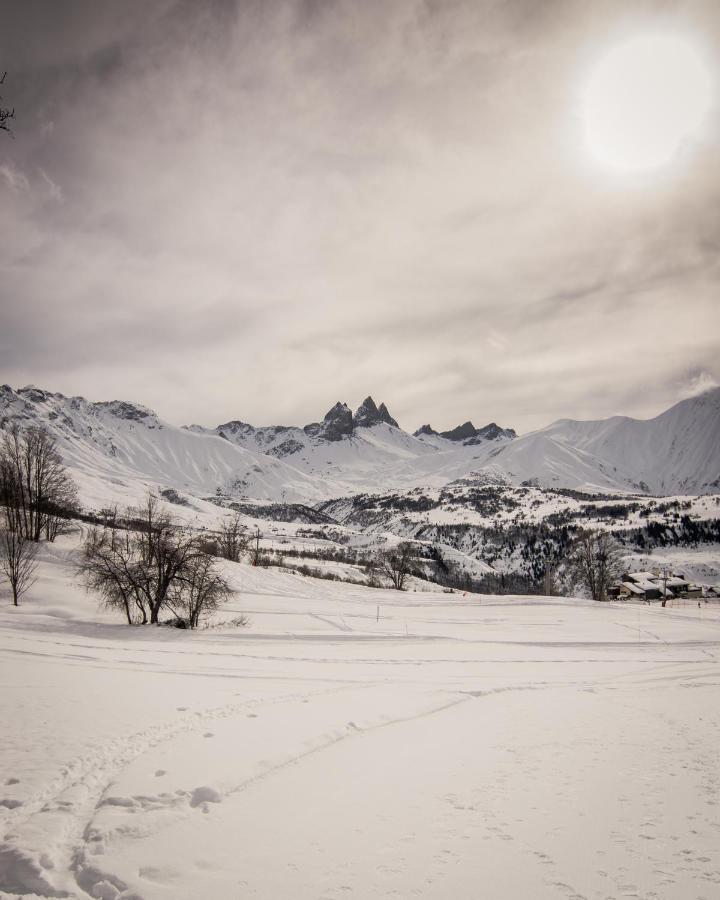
(356, 742)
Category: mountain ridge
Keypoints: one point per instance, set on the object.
(125, 444)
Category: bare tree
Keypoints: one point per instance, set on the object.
(199, 590)
(233, 539)
(35, 487)
(163, 550)
(17, 562)
(109, 566)
(5, 113)
(595, 562)
(151, 566)
(394, 564)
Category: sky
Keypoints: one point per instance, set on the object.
(252, 209)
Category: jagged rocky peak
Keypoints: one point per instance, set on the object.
(385, 416)
(424, 429)
(492, 432)
(338, 422)
(234, 427)
(467, 433)
(34, 394)
(461, 433)
(368, 414)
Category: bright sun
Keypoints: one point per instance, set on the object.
(644, 99)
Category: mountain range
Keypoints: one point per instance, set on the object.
(117, 449)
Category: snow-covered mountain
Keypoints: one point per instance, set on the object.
(677, 452)
(116, 449)
(367, 450)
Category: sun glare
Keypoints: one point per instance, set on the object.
(644, 100)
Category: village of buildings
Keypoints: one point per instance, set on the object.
(665, 587)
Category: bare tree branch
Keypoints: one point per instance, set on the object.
(6, 113)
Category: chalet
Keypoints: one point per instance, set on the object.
(653, 586)
(626, 590)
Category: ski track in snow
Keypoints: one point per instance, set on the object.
(76, 792)
(518, 748)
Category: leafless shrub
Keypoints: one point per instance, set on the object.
(17, 562)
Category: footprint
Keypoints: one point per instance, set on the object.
(159, 773)
(204, 794)
(252, 715)
(13, 781)
(208, 734)
(181, 708)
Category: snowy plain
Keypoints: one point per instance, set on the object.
(358, 742)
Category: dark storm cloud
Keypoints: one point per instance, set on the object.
(253, 209)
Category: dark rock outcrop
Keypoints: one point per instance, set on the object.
(369, 414)
(461, 433)
(468, 434)
(121, 409)
(337, 424)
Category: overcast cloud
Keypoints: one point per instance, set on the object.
(253, 209)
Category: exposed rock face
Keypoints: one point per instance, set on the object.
(492, 431)
(32, 393)
(337, 424)
(461, 433)
(386, 417)
(369, 414)
(286, 448)
(121, 409)
(234, 427)
(467, 433)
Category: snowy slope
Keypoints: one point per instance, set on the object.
(114, 449)
(354, 742)
(676, 452)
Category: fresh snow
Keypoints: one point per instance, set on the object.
(358, 742)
